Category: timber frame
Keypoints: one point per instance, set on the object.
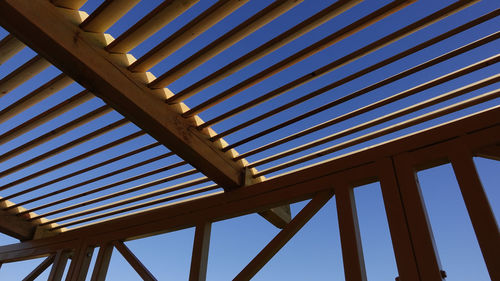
(76, 44)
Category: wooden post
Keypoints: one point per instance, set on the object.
(59, 265)
(102, 263)
(479, 209)
(80, 263)
(352, 251)
(398, 225)
(418, 222)
(201, 245)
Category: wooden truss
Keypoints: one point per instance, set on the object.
(126, 207)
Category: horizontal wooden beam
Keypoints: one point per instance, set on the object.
(49, 31)
(491, 152)
(478, 130)
(15, 226)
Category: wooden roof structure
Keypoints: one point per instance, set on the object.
(93, 137)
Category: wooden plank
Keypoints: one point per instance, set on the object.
(35, 249)
(375, 105)
(372, 135)
(79, 266)
(22, 74)
(40, 268)
(478, 206)
(69, 4)
(184, 35)
(146, 62)
(252, 24)
(46, 116)
(418, 222)
(491, 152)
(384, 41)
(90, 191)
(63, 164)
(80, 121)
(66, 46)
(480, 130)
(354, 94)
(15, 226)
(134, 262)
(150, 24)
(51, 87)
(102, 262)
(396, 218)
(199, 258)
(119, 202)
(164, 199)
(297, 57)
(287, 233)
(350, 238)
(9, 46)
(59, 149)
(107, 14)
(59, 265)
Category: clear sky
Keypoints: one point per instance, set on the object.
(314, 253)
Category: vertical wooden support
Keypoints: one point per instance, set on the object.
(284, 236)
(199, 259)
(422, 238)
(479, 209)
(59, 265)
(396, 218)
(352, 251)
(102, 263)
(40, 268)
(134, 262)
(80, 263)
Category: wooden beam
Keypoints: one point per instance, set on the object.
(280, 240)
(186, 34)
(134, 262)
(22, 74)
(250, 25)
(40, 268)
(490, 152)
(478, 206)
(46, 90)
(59, 265)
(199, 258)
(69, 4)
(9, 46)
(107, 14)
(350, 237)
(426, 254)
(80, 262)
(396, 218)
(74, 51)
(479, 130)
(102, 262)
(149, 25)
(15, 226)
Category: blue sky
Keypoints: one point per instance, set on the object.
(314, 254)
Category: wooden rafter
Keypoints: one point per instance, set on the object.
(14, 221)
(66, 46)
